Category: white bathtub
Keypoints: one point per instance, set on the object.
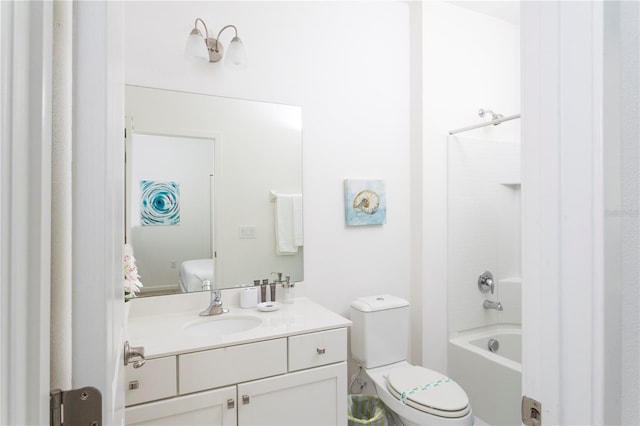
(493, 381)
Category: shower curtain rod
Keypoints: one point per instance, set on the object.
(487, 123)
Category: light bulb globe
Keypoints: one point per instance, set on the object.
(196, 48)
(236, 55)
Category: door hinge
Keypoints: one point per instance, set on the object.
(75, 407)
(531, 412)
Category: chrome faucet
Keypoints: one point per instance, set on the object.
(215, 301)
(490, 304)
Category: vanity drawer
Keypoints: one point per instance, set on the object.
(230, 365)
(314, 349)
(156, 379)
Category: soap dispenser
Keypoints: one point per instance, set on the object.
(289, 292)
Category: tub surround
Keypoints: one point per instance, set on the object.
(470, 340)
(491, 380)
(277, 372)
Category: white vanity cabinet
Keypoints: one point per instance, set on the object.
(214, 407)
(310, 397)
(294, 380)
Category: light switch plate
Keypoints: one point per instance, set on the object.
(247, 232)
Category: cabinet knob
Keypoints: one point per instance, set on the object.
(320, 351)
(231, 403)
(134, 384)
(245, 399)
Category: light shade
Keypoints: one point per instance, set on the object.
(236, 56)
(196, 48)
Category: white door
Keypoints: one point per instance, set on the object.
(563, 257)
(25, 206)
(98, 203)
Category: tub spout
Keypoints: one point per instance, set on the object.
(490, 304)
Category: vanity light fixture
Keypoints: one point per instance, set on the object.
(208, 48)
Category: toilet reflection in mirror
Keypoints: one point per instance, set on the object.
(199, 175)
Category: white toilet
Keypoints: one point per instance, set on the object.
(379, 342)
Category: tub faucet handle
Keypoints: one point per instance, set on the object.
(485, 282)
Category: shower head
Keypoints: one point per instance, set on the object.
(494, 115)
(482, 112)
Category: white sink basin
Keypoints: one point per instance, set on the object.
(221, 325)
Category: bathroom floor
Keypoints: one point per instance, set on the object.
(479, 422)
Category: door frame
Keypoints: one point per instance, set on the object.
(25, 215)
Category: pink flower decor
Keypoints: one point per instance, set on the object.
(132, 282)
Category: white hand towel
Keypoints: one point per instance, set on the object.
(285, 240)
(298, 234)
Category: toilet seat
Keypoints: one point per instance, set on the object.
(428, 391)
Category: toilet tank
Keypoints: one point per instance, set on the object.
(379, 330)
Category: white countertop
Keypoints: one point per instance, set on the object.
(162, 331)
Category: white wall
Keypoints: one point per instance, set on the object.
(630, 134)
(347, 65)
(471, 61)
(621, 163)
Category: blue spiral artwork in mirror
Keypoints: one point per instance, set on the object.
(159, 203)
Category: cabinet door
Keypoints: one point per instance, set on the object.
(311, 397)
(216, 407)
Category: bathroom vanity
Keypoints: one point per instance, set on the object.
(245, 367)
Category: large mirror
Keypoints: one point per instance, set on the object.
(213, 190)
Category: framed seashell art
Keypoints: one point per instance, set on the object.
(365, 202)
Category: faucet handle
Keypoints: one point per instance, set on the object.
(279, 280)
(485, 282)
(206, 285)
(134, 352)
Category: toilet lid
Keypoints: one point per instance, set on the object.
(428, 391)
